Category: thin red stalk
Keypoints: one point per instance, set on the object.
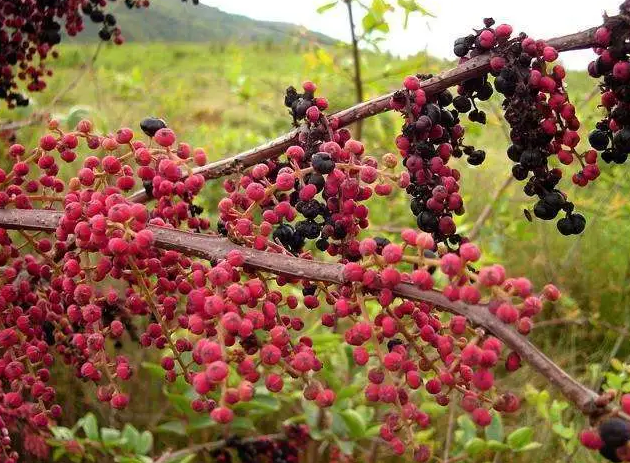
(212, 248)
(471, 68)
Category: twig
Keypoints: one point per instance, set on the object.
(449, 432)
(213, 248)
(485, 213)
(471, 68)
(356, 57)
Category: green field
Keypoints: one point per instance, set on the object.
(228, 98)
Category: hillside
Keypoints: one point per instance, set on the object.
(177, 21)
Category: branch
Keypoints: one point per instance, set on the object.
(211, 248)
(472, 68)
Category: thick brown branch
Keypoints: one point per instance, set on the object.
(211, 248)
(472, 68)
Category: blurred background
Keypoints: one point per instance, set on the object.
(217, 71)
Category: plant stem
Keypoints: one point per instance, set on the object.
(356, 58)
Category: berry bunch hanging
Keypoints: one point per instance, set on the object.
(30, 29)
(430, 135)
(542, 119)
(611, 135)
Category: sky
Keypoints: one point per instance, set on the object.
(454, 18)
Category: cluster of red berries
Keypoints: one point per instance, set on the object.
(408, 345)
(316, 193)
(542, 119)
(430, 135)
(611, 135)
(30, 29)
(612, 435)
(223, 326)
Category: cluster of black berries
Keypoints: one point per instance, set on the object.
(430, 135)
(542, 120)
(304, 105)
(611, 135)
(29, 29)
(265, 450)
(316, 193)
(615, 434)
(94, 11)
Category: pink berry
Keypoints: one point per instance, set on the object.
(411, 83)
(164, 137)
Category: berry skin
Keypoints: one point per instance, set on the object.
(222, 415)
(481, 417)
(614, 432)
(164, 137)
(119, 401)
(150, 125)
(411, 83)
(360, 355)
(591, 440)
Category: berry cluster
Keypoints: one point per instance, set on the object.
(30, 29)
(612, 436)
(430, 135)
(315, 194)
(412, 345)
(101, 278)
(542, 119)
(611, 135)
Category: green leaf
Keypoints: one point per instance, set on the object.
(186, 459)
(346, 446)
(468, 428)
(123, 459)
(368, 22)
(614, 380)
(355, 423)
(541, 404)
(144, 444)
(200, 422)
(530, 446)
(326, 7)
(62, 433)
(111, 437)
(175, 427)
(58, 453)
(312, 413)
(181, 403)
(349, 391)
(131, 436)
(373, 431)
(520, 438)
(563, 431)
(432, 409)
(555, 412)
(495, 430)
(243, 423)
(90, 426)
(263, 403)
(496, 446)
(475, 446)
(154, 370)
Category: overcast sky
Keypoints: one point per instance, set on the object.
(538, 18)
